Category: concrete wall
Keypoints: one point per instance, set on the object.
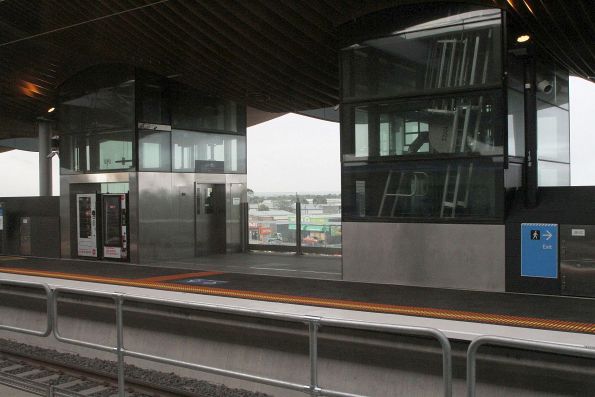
(424, 254)
(44, 226)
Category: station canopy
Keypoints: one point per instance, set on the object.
(273, 55)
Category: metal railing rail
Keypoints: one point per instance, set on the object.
(522, 344)
(48, 293)
(23, 384)
(313, 324)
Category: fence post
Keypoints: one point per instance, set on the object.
(313, 338)
(120, 344)
(298, 227)
(51, 391)
(244, 227)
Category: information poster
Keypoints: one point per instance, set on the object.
(115, 239)
(86, 212)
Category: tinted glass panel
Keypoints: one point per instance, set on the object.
(193, 111)
(155, 151)
(207, 152)
(154, 106)
(99, 99)
(412, 61)
(450, 125)
(424, 189)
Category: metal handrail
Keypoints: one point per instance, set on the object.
(48, 294)
(522, 344)
(313, 324)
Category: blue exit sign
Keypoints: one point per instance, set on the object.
(539, 250)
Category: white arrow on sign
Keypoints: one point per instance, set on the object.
(548, 235)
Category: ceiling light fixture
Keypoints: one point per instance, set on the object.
(50, 110)
(523, 38)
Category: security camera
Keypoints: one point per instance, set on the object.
(545, 86)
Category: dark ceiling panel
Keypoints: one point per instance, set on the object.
(273, 55)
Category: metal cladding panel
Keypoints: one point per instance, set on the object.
(577, 260)
(159, 236)
(423, 254)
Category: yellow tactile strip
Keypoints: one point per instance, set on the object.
(446, 314)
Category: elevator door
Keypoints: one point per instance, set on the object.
(210, 219)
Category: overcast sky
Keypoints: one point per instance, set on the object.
(300, 154)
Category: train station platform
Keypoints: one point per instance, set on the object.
(551, 313)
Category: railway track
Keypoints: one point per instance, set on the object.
(33, 370)
(39, 378)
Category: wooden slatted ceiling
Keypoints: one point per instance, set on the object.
(274, 55)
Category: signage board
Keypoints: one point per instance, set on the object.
(539, 250)
(1, 218)
(86, 225)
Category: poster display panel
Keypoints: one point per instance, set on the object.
(86, 220)
(115, 233)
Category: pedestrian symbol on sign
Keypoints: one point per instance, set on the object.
(535, 235)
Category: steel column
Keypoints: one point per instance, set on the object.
(531, 163)
(45, 163)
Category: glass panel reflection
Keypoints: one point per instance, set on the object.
(553, 133)
(193, 111)
(553, 174)
(209, 153)
(98, 152)
(98, 99)
(415, 60)
(424, 189)
(155, 151)
(466, 124)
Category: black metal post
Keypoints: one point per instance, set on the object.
(298, 227)
(244, 227)
(531, 164)
(3, 229)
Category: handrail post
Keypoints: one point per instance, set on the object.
(313, 326)
(472, 368)
(120, 343)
